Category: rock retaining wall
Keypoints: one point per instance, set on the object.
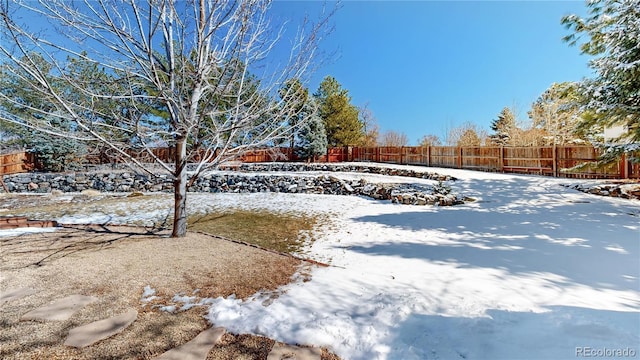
(356, 168)
(123, 181)
(362, 167)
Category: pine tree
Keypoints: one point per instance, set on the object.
(339, 116)
(503, 127)
(54, 153)
(613, 33)
(312, 137)
(294, 96)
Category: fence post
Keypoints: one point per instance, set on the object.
(429, 155)
(624, 174)
(555, 160)
(377, 154)
(459, 157)
(401, 154)
(501, 158)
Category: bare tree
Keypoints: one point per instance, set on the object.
(530, 136)
(557, 112)
(178, 72)
(369, 125)
(393, 138)
(467, 134)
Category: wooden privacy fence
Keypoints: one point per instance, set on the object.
(17, 162)
(167, 154)
(559, 161)
(339, 154)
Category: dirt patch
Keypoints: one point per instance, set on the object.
(115, 264)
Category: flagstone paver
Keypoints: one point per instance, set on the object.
(196, 349)
(283, 351)
(59, 310)
(15, 294)
(89, 334)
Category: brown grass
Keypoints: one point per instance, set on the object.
(51, 206)
(276, 231)
(114, 264)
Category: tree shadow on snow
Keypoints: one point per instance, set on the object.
(561, 333)
(587, 241)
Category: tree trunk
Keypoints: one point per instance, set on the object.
(180, 190)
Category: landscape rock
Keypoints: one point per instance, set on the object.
(95, 183)
(620, 189)
(630, 190)
(362, 167)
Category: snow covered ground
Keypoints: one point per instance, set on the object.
(531, 270)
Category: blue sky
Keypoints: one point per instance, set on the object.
(424, 67)
(427, 66)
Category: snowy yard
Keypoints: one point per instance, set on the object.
(530, 270)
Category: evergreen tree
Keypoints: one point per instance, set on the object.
(339, 116)
(503, 127)
(613, 36)
(312, 137)
(294, 96)
(54, 153)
